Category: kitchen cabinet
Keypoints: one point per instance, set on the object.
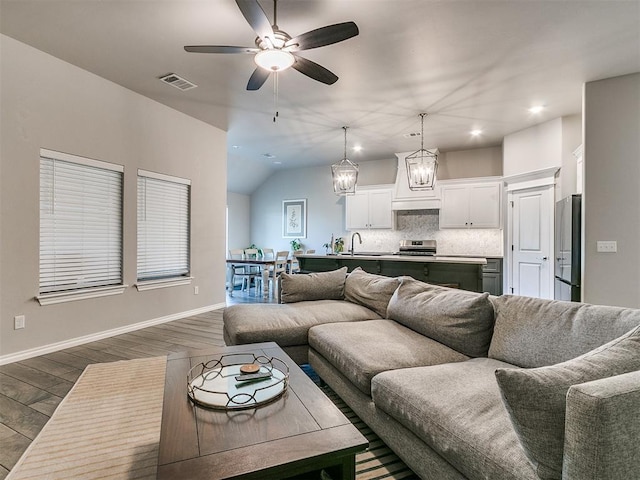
(369, 208)
(465, 274)
(492, 276)
(471, 205)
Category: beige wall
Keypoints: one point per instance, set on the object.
(611, 192)
(47, 103)
(535, 148)
(239, 221)
(479, 162)
(571, 139)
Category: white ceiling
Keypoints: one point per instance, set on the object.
(469, 64)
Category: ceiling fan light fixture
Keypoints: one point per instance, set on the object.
(344, 173)
(274, 60)
(422, 165)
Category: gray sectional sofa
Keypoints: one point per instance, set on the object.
(462, 385)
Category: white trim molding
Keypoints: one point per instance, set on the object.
(73, 295)
(163, 283)
(54, 347)
(536, 178)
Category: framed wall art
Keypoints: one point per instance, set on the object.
(294, 218)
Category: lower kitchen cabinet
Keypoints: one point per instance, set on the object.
(466, 276)
(492, 276)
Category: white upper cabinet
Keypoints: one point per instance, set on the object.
(369, 207)
(471, 205)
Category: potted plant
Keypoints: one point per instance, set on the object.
(295, 244)
(338, 245)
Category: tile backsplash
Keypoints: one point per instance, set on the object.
(423, 225)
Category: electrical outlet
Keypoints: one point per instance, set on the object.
(608, 246)
(19, 322)
(196, 290)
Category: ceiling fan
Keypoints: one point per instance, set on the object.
(275, 50)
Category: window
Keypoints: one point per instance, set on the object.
(163, 230)
(80, 227)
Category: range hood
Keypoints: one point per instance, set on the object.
(406, 199)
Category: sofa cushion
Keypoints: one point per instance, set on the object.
(536, 398)
(372, 291)
(313, 286)
(532, 332)
(456, 410)
(286, 324)
(460, 319)
(363, 349)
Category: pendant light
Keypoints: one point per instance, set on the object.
(344, 173)
(422, 165)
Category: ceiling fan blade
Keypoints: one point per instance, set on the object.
(322, 36)
(315, 71)
(257, 79)
(255, 16)
(220, 49)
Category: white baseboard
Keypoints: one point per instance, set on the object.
(73, 342)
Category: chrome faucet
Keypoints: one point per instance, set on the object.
(352, 237)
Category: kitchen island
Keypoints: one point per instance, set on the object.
(457, 272)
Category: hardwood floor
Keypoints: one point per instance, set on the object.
(30, 390)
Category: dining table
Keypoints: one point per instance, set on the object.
(262, 263)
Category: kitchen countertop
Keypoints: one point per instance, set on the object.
(404, 258)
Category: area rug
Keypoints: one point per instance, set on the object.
(378, 462)
(107, 427)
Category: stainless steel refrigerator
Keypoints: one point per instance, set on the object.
(568, 252)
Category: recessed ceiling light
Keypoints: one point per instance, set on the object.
(277, 162)
(268, 155)
(476, 133)
(235, 146)
(357, 148)
(536, 109)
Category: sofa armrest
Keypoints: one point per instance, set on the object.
(602, 428)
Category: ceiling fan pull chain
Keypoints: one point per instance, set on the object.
(275, 95)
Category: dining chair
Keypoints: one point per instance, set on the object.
(294, 267)
(280, 266)
(267, 254)
(240, 271)
(254, 272)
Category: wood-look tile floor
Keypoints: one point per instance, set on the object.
(30, 390)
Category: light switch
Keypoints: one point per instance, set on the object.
(607, 246)
(18, 322)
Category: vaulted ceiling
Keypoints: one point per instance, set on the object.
(470, 65)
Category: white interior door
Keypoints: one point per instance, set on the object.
(532, 242)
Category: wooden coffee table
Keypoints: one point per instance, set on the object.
(296, 436)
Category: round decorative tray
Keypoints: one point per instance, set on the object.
(213, 384)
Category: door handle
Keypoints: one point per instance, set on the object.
(545, 258)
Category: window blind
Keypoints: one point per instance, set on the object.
(163, 226)
(80, 223)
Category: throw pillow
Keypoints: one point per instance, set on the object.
(460, 319)
(536, 398)
(299, 287)
(370, 290)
